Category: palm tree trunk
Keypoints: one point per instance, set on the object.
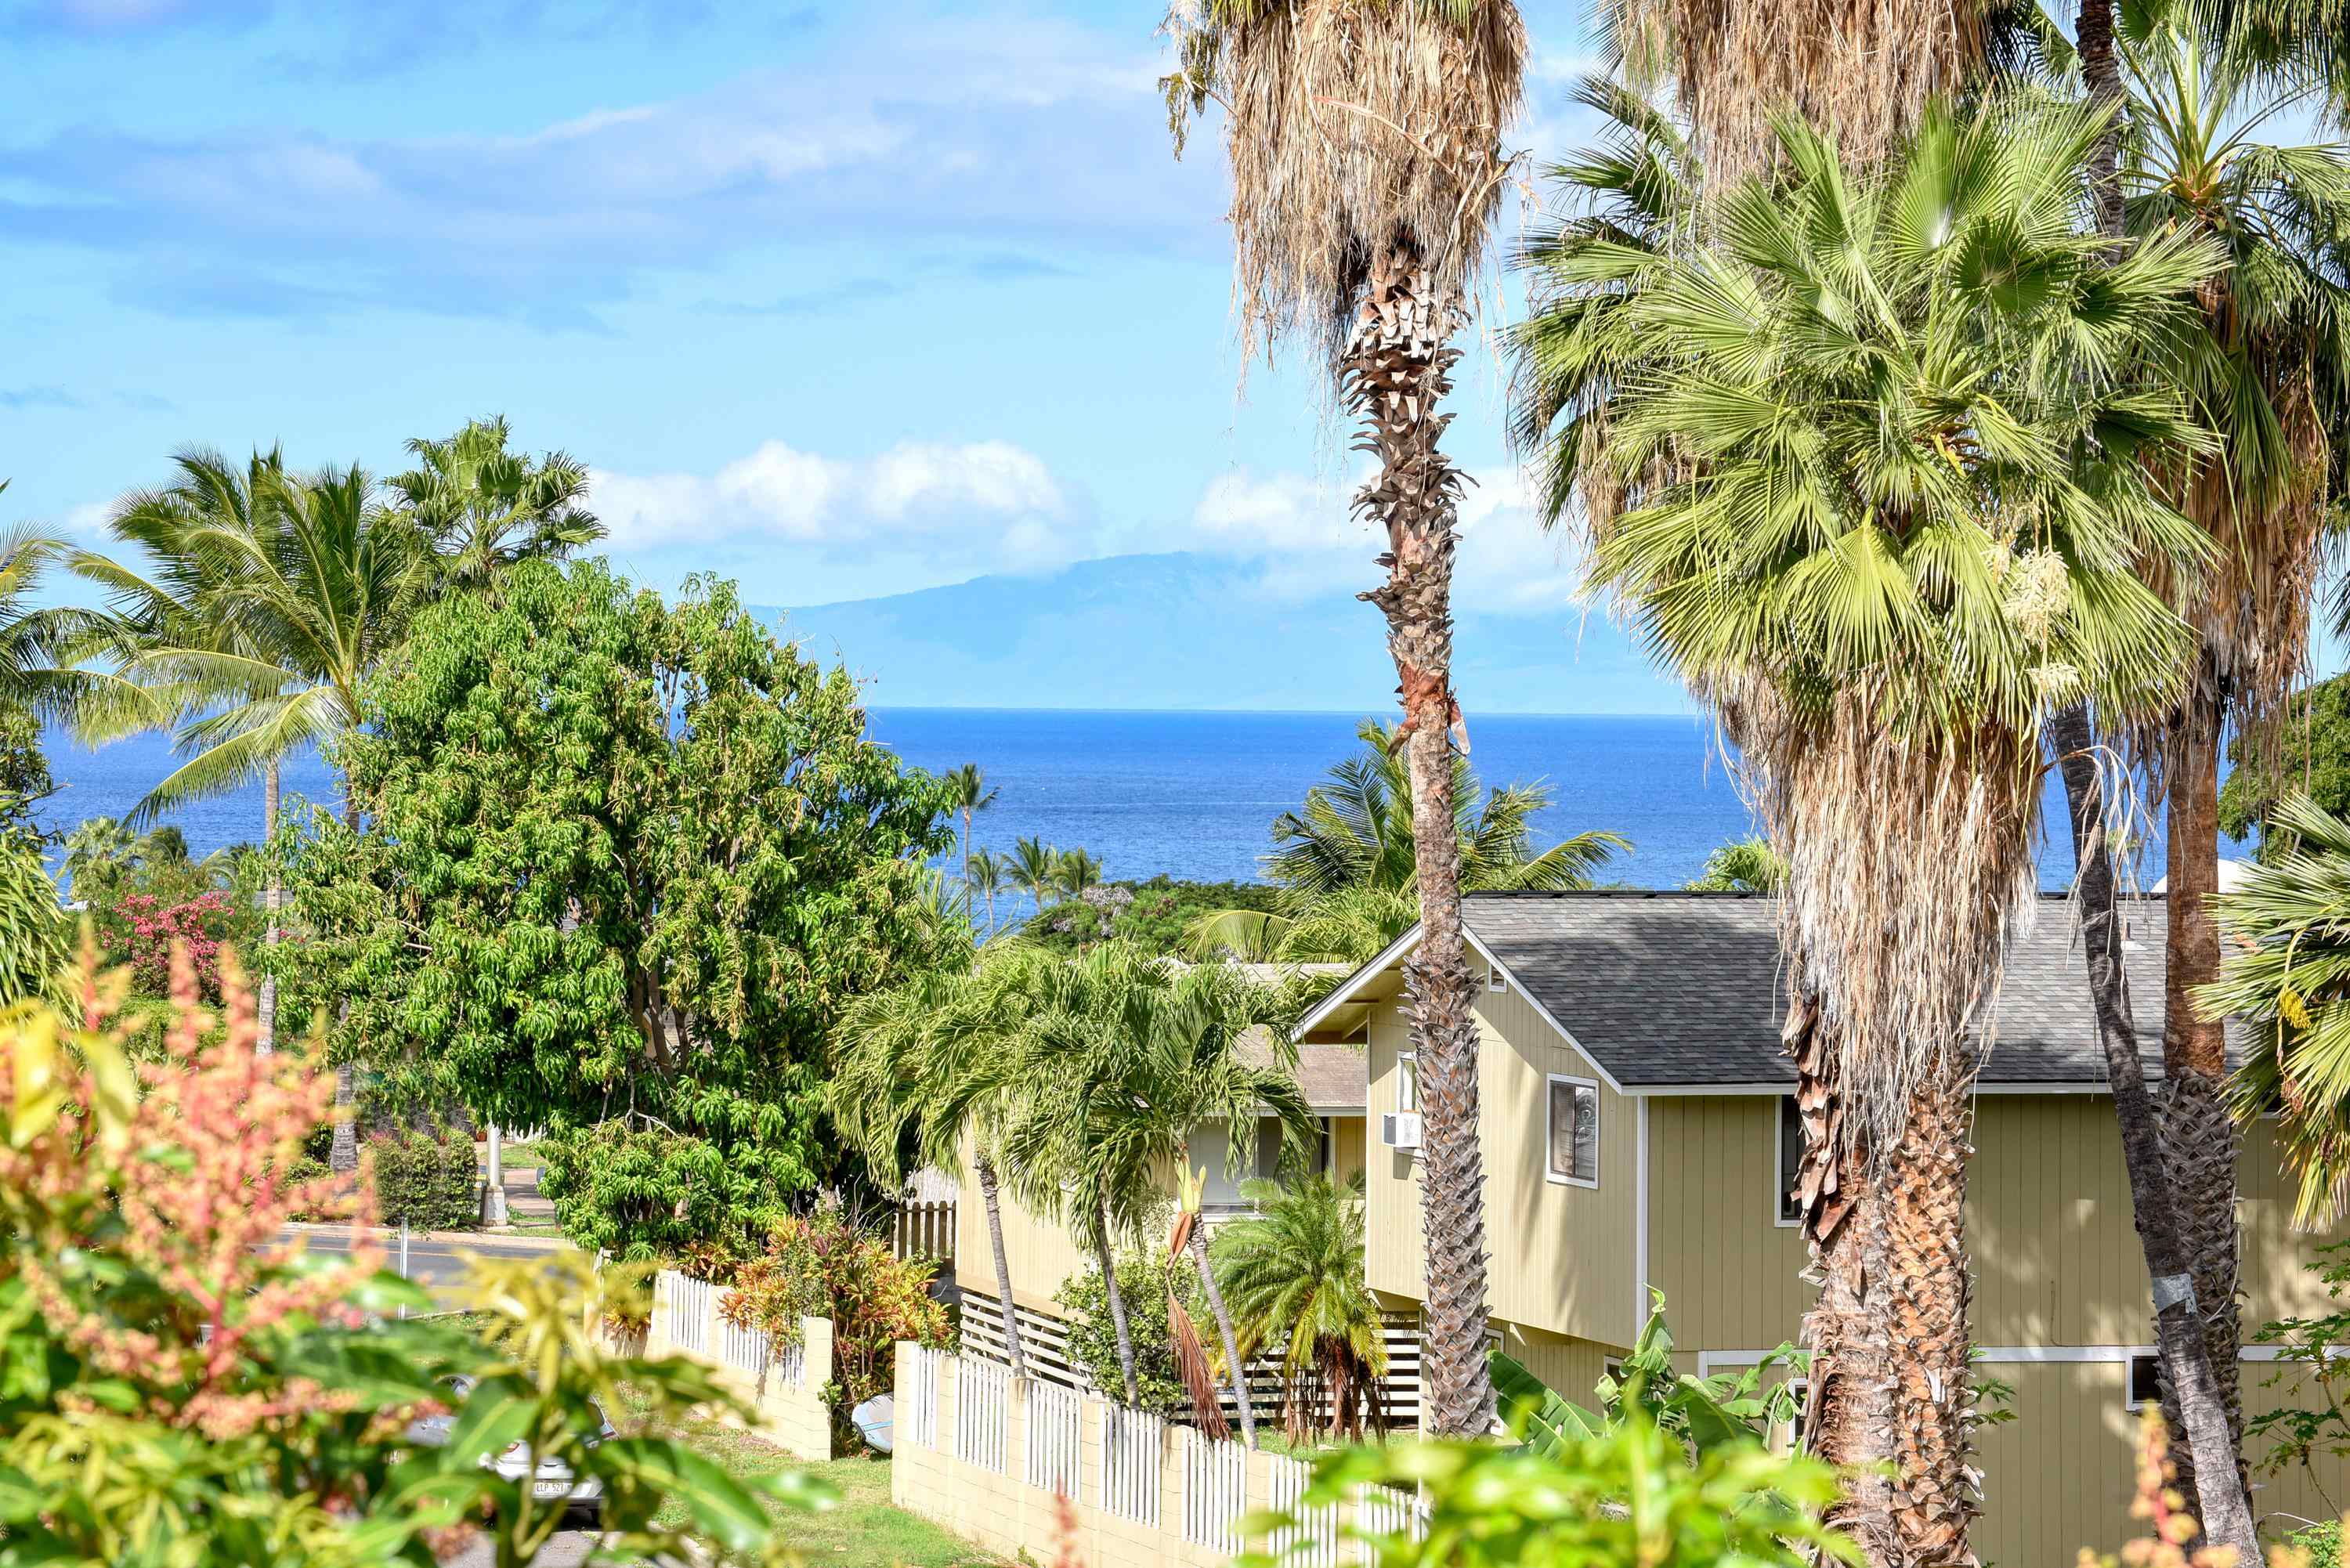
(966, 863)
(2201, 1136)
(1395, 375)
(1921, 1245)
(2193, 1401)
(273, 898)
(1848, 1407)
(985, 1168)
(1224, 1328)
(1116, 1305)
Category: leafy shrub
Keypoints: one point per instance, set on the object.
(2320, 1543)
(426, 1179)
(1142, 1276)
(821, 1265)
(153, 926)
(1154, 914)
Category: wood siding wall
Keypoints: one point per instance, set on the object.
(1563, 1257)
(1041, 1254)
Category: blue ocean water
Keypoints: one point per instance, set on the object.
(1189, 794)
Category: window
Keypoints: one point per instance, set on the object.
(2144, 1382)
(1573, 1131)
(1791, 1160)
(1407, 1082)
(1612, 1369)
(1496, 980)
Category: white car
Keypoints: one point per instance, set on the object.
(583, 1496)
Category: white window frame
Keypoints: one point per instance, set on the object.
(1406, 1092)
(1779, 1172)
(1791, 1433)
(2129, 1378)
(1549, 1174)
(1495, 980)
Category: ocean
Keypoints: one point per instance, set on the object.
(1191, 795)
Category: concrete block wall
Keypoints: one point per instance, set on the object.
(787, 1403)
(1001, 1512)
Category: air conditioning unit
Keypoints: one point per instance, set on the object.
(1400, 1129)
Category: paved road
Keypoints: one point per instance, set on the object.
(438, 1265)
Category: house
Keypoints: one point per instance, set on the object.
(1041, 1254)
(1635, 1118)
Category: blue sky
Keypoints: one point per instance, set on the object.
(837, 300)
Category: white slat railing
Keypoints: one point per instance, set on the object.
(1056, 1451)
(1131, 1444)
(746, 1350)
(1313, 1541)
(1215, 1490)
(919, 1418)
(689, 1314)
(982, 1392)
(1382, 1511)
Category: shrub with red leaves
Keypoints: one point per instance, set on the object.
(201, 923)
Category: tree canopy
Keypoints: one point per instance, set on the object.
(618, 865)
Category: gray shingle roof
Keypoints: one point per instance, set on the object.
(1329, 1076)
(1669, 990)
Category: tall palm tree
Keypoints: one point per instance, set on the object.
(931, 1063)
(1879, 506)
(2266, 371)
(968, 794)
(1034, 868)
(483, 508)
(985, 873)
(1129, 1055)
(1365, 144)
(1293, 1272)
(1075, 872)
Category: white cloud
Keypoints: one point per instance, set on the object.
(980, 504)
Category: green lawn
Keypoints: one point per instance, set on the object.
(863, 1530)
(515, 1156)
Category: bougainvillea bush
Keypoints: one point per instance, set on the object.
(153, 925)
(183, 1383)
(824, 1265)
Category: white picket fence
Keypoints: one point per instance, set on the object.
(983, 1401)
(1313, 1542)
(1056, 1449)
(689, 1314)
(1383, 1511)
(1215, 1490)
(1130, 1445)
(917, 1410)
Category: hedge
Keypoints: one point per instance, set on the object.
(426, 1180)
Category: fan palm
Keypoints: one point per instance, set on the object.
(1292, 1273)
(930, 1064)
(2266, 369)
(1873, 479)
(2287, 979)
(1365, 142)
(483, 508)
(967, 795)
(1128, 1055)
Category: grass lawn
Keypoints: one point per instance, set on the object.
(514, 1157)
(863, 1530)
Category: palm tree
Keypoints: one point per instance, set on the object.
(1366, 166)
(2267, 371)
(986, 873)
(1748, 866)
(968, 794)
(2287, 977)
(1292, 1274)
(483, 508)
(1034, 868)
(1075, 872)
(1880, 509)
(98, 854)
(1127, 1056)
(930, 1064)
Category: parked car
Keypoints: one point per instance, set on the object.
(584, 1496)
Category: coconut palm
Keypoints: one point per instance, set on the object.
(483, 508)
(39, 673)
(1366, 166)
(1292, 1273)
(1128, 1055)
(1075, 871)
(985, 873)
(1034, 868)
(2287, 981)
(1748, 866)
(967, 795)
(2267, 371)
(929, 1065)
(1870, 476)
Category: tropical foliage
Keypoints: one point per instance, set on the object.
(1151, 1284)
(483, 509)
(1747, 866)
(2309, 753)
(624, 861)
(1292, 1270)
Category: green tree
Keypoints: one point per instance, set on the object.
(623, 865)
(985, 874)
(1075, 873)
(969, 793)
(1748, 866)
(1034, 868)
(1123, 1056)
(2310, 755)
(483, 509)
(1878, 501)
(1366, 168)
(35, 935)
(1292, 1273)
(1355, 835)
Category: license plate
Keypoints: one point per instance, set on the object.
(550, 1489)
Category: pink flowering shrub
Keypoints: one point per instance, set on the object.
(200, 925)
